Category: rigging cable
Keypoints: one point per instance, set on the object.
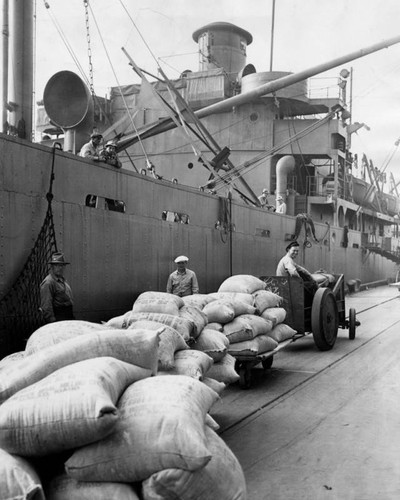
(120, 88)
(274, 149)
(89, 49)
(66, 43)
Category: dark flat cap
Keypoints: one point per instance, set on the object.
(291, 245)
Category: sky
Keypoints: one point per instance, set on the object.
(306, 33)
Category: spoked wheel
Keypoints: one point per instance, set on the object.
(324, 319)
(352, 324)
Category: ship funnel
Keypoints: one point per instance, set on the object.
(222, 45)
(284, 167)
(69, 105)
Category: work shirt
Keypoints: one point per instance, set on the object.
(288, 267)
(110, 157)
(281, 209)
(182, 284)
(55, 293)
(263, 200)
(89, 150)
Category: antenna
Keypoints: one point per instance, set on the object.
(272, 36)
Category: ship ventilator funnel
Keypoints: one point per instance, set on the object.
(284, 167)
(69, 105)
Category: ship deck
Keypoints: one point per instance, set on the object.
(323, 424)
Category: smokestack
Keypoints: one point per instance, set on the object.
(21, 61)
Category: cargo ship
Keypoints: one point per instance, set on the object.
(196, 154)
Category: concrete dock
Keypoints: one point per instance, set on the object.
(324, 425)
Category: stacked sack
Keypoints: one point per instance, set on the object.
(84, 414)
(203, 354)
(259, 328)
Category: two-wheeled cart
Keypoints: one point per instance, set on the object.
(320, 314)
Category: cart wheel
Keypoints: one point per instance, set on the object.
(245, 376)
(352, 323)
(324, 319)
(267, 362)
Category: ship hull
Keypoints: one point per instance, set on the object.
(116, 256)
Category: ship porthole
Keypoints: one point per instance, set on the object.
(254, 117)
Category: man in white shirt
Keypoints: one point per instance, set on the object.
(281, 205)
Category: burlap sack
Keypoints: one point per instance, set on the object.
(282, 332)
(222, 478)
(53, 333)
(215, 326)
(244, 297)
(195, 314)
(219, 311)
(213, 343)
(258, 345)
(183, 326)
(224, 371)
(190, 363)
(119, 322)
(18, 479)
(63, 487)
(246, 327)
(11, 358)
(243, 283)
(170, 342)
(275, 314)
(160, 426)
(198, 299)
(140, 349)
(158, 302)
(264, 299)
(71, 407)
(213, 384)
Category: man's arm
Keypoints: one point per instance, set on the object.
(169, 284)
(195, 284)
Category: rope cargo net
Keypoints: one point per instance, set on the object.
(20, 315)
(19, 308)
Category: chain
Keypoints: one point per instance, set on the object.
(86, 4)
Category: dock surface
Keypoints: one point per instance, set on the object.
(324, 425)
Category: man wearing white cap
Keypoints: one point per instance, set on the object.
(183, 281)
(281, 205)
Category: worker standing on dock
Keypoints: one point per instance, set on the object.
(183, 281)
(56, 302)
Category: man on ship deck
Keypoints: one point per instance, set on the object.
(91, 148)
(183, 281)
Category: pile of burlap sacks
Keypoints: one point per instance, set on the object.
(121, 409)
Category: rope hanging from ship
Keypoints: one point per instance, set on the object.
(19, 308)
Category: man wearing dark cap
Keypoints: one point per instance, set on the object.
(91, 148)
(288, 267)
(56, 301)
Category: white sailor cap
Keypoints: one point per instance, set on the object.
(181, 258)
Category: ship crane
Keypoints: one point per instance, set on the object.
(262, 90)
